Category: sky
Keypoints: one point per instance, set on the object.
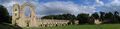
(75, 7)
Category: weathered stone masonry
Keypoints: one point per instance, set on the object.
(19, 17)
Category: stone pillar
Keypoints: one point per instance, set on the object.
(15, 13)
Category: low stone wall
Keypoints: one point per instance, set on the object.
(50, 23)
(25, 22)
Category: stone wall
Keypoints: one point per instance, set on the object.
(48, 22)
(53, 22)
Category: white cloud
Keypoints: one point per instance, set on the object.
(111, 7)
(59, 7)
(99, 2)
(55, 7)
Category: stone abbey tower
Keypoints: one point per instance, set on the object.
(19, 18)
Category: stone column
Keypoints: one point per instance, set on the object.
(15, 13)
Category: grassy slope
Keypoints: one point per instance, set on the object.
(105, 26)
(7, 26)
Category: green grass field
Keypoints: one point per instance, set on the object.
(104, 26)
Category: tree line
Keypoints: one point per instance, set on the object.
(105, 17)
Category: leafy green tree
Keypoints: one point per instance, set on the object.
(83, 18)
(62, 16)
(4, 15)
(102, 14)
(110, 17)
(95, 15)
(69, 17)
(116, 17)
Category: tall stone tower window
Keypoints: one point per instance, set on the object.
(15, 9)
(15, 14)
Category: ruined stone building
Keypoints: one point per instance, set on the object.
(19, 18)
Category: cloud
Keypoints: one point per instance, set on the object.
(4, 1)
(110, 7)
(55, 7)
(98, 2)
(60, 7)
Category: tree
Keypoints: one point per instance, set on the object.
(95, 15)
(116, 13)
(116, 16)
(102, 14)
(4, 15)
(83, 18)
(70, 17)
(109, 17)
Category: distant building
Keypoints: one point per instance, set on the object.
(97, 21)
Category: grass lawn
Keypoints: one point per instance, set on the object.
(104, 26)
(8, 26)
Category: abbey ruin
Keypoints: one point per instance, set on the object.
(19, 18)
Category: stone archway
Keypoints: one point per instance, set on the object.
(19, 17)
(32, 9)
(32, 20)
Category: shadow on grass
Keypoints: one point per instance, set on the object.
(7, 26)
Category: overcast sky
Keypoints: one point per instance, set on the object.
(49, 7)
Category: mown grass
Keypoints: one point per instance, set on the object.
(103, 26)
